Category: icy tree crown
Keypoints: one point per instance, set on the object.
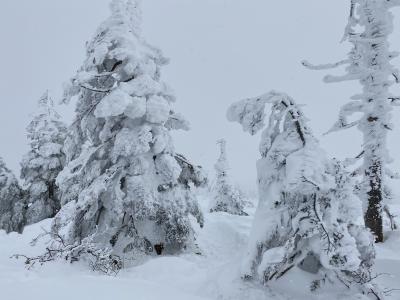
(222, 165)
(251, 114)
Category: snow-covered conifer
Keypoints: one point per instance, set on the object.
(41, 165)
(307, 216)
(227, 198)
(124, 187)
(12, 204)
(369, 26)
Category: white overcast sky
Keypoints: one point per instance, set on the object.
(220, 51)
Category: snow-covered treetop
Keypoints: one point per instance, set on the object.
(46, 123)
(250, 113)
(122, 72)
(222, 165)
(128, 11)
(287, 146)
(46, 134)
(369, 25)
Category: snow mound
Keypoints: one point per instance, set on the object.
(211, 274)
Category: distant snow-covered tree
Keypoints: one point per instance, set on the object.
(227, 198)
(369, 26)
(307, 214)
(41, 165)
(12, 204)
(124, 187)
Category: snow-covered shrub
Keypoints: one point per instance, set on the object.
(307, 214)
(99, 259)
(123, 184)
(226, 197)
(41, 165)
(369, 26)
(12, 204)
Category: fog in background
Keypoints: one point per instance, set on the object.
(221, 51)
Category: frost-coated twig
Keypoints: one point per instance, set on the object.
(393, 223)
(100, 260)
(311, 66)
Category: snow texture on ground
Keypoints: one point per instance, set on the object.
(213, 274)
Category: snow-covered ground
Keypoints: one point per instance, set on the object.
(213, 274)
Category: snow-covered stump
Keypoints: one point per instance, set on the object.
(45, 160)
(307, 216)
(369, 26)
(226, 198)
(12, 201)
(123, 187)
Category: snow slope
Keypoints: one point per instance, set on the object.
(213, 274)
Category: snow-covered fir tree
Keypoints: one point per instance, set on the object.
(124, 188)
(227, 198)
(307, 215)
(12, 204)
(369, 26)
(41, 165)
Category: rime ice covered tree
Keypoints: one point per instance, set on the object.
(12, 204)
(124, 188)
(227, 198)
(41, 165)
(369, 26)
(307, 214)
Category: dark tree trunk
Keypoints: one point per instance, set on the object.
(51, 189)
(54, 202)
(159, 248)
(373, 216)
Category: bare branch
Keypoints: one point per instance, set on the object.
(310, 66)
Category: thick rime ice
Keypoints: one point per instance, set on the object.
(307, 214)
(227, 198)
(12, 204)
(370, 24)
(41, 165)
(124, 187)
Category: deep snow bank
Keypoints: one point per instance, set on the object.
(213, 274)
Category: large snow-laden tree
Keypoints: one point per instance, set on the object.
(226, 197)
(12, 204)
(369, 26)
(41, 165)
(307, 214)
(124, 188)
